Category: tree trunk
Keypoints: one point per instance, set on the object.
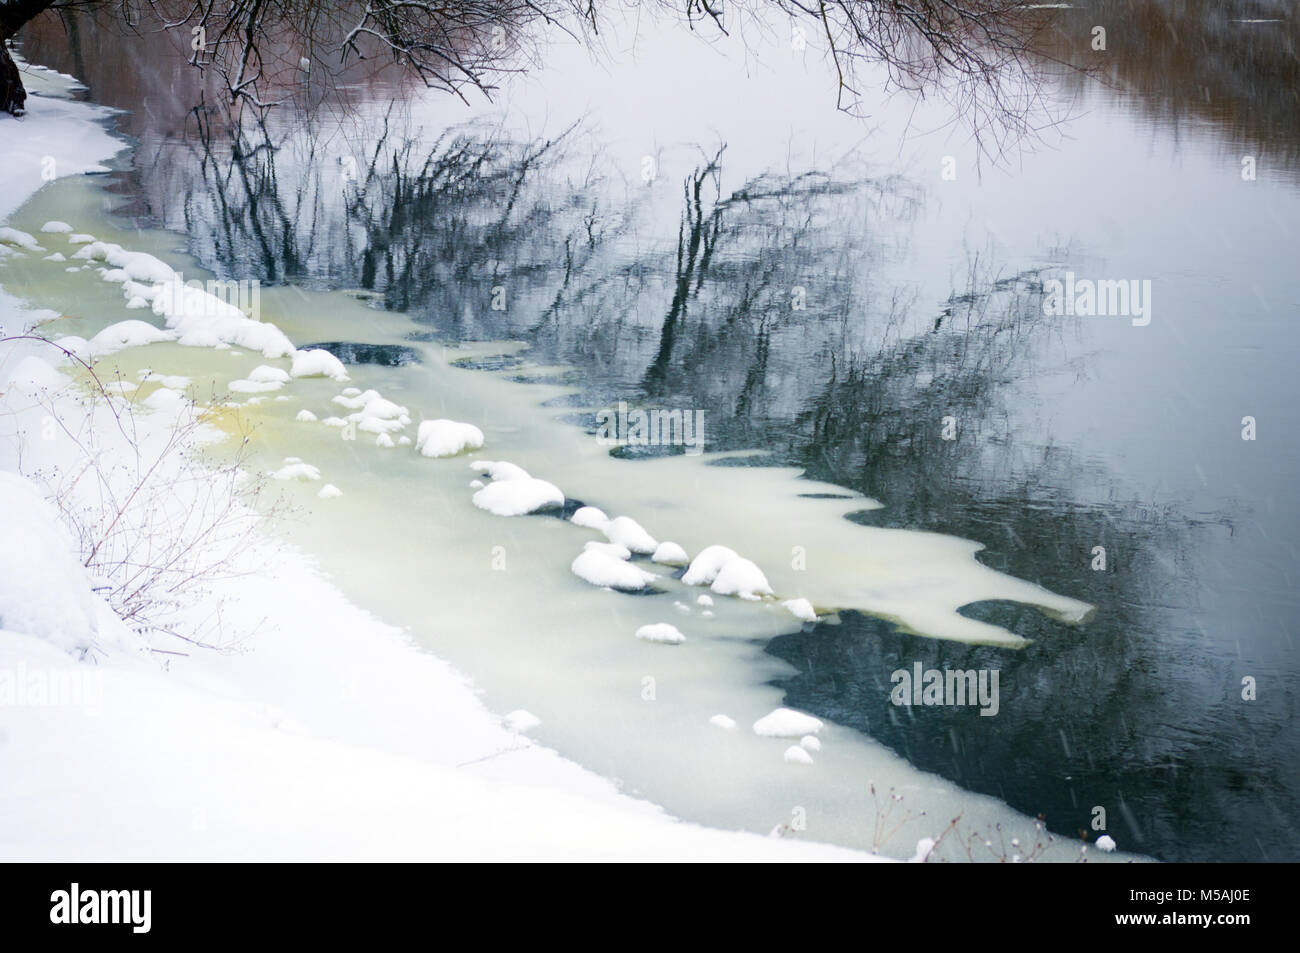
(13, 14)
(12, 94)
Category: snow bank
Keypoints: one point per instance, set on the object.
(33, 375)
(44, 590)
(521, 720)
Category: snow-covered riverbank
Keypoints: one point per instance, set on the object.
(324, 735)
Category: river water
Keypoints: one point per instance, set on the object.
(686, 226)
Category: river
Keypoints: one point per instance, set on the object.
(897, 429)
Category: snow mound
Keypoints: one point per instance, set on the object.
(316, 362)
(518, 497)
(33, 375)
(630, 533)
(740, 577)
(811, 742)
(704, 600)
(12, 236)
(707, 564)
(164, 398)
(787, 723)
(297, 471)
(617, 550)
(1106, 842)
(796, 755)
(266, 374)
(722, 721)
(305, 416)
(174, 381)
(124, 334)
(446, 438)
(670, 554)
(329, 491)
(500, 469)
(661, 632)
(601, 569)
(355, 400)
(253, 387)
(801, 609)
(374, 413)
(56, 226)
(589, 517)
(199, 317)
(44, 590)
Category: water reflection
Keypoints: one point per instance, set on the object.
(1227, 65)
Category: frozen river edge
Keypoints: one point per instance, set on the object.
(332, 737)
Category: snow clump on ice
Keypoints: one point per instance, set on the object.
(601, 569)
(661, 632)
(316, 362)
(446, 438)
(787, 723)
(518, 497)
